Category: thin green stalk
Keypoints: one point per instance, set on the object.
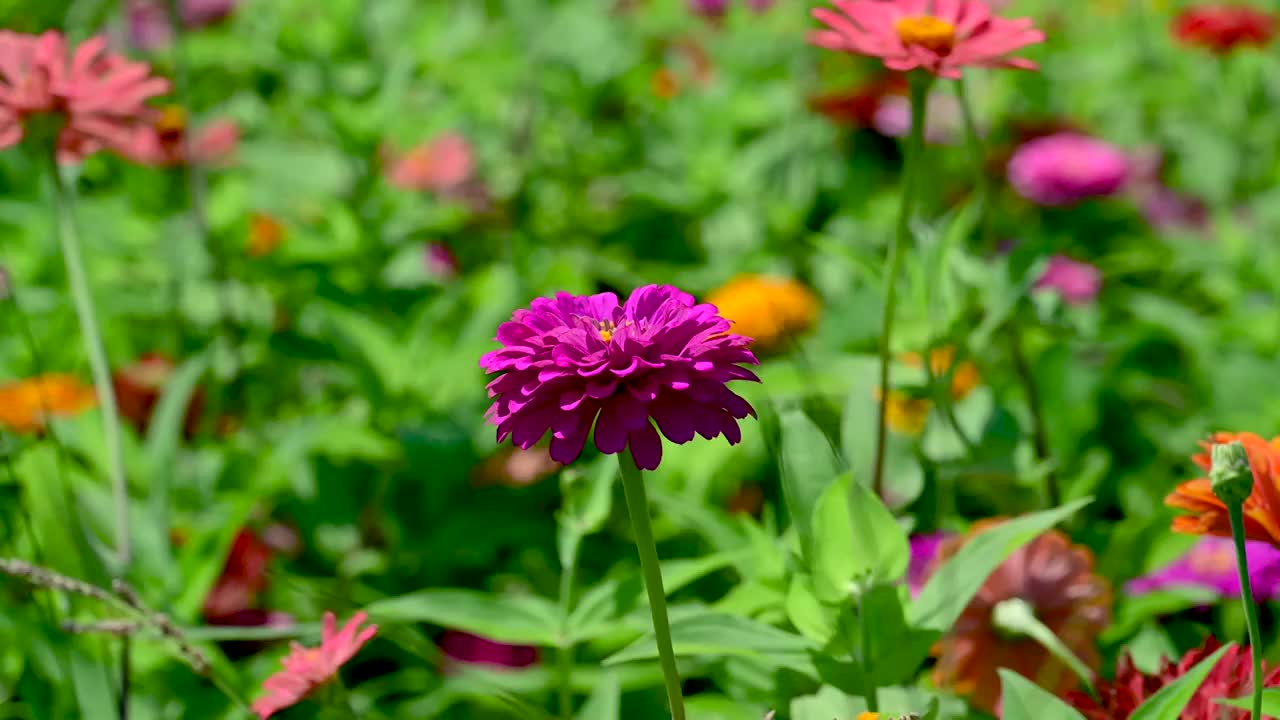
(564, 654)
(1039, 429)
(98, 366)
(915, 146)
(870, 688)
(981, 187)
(1235, 511)
(638, 508)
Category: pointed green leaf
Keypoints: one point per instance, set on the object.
(877, 535)
(605, 702)
(718, 634)
(1270, 702)
(523, 619)
(1024, 700)
(1172, 699)
(809, 466)
(954, 584)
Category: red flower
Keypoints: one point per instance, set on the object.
(306, 669)
(243, 576)
(1222, 28)
(1232, 677)
(139, 386)
(98, 97)
(441, 165)
(856, 107)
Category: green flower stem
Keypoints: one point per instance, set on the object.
(981, 187)
(870, 689)
(564, 653)
(1235, 511)
(98, 367)
(638, 508)
(915, 147)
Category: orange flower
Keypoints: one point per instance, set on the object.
(906, 414)
(665, 84)
(1209, 514)
(265, 234)
(25, 405)
(1056, 580)
(963, 380)
(769, 310)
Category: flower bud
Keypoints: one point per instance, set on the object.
(1230, 473)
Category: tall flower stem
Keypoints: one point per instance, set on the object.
(638, 508)
(1039, 429)
(86, 312)
(981, 187)
(564, 653)
(915, 147)
(1235, 511)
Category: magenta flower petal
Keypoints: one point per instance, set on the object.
(1211, 563)
(1065, 168)
(570, 362)
(1075, 282)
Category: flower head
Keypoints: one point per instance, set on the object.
(440, 262)
(1222, 27)
(939, 36)
(1055, 580)
(942, 122)
(1209, 515)
(964, 377)
(169, 142)
(265, 235)
(442, 165)
(1076, 282)
(97, 97)
(1066, 168)
(148, 20)
(306, 669)
(923, 550)
(139, 387)
(570, 361)
(244, 576)
(467, 649)
(857, 106)
(1231, 677)
(1211, 563)
(27, 405)
(906, 413)
(769, 310)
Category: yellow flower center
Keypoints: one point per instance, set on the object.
(173, 119)
(606, 329)
(927, 31)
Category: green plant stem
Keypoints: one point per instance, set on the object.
(870, 687)
(564, 654)
(98, 366)
(981, 187)
(915, 146)
(1235, 512)
(638, 508)
(1039, 432)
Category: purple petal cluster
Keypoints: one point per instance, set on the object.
(1065, 168)
(1211, 563)
(572, 361)
(923, 549)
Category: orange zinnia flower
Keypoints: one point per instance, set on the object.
(963, 380)
(1056, 580)
(26, 405)
(1209, 514)
(265, 234)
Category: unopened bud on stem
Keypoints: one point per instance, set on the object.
(1230, 473)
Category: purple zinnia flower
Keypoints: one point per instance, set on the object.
(465, 648)
(1211, 563)
(570, 361)
(1075, 282)
(1066, 168)
(709, 8)
(923, 549)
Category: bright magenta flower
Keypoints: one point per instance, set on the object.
(571, 362)
(939, 36)
(306, 669)
(98, 96)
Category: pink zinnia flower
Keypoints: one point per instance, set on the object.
(98, 97)
(306, 669)
(569, 362)
(166, 143)
(1065, 168)
(939, 36)
(1075, 282)
(440, 165)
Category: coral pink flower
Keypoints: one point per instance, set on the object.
(166, 142)
(570, 362)
(440, 165)
(1222, 27)
(939, 36)
(306, 669)
(1065, 168)
(1075, 282)
(97, 96)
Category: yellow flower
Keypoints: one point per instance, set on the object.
(25, 405)
(965, 378)
(868, 716)
(770, 310)
(906, 414)
(265, 234)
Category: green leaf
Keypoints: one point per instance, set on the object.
(811, 617)
(809, 467)
(523, 620)
(896, 648)
(718, 634)
(954, 584)
(1024, 700)
(1017, 615)
(605, 702)
(1172, 699)
(1270, 702)
(856, 539)
(588, 500)
(877, 535)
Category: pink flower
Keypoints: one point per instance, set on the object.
(440, 261)
(306, 669)
(572, 362)
(939, 36)
(148, 20)
(1065, 168)
(441, 165)
(1075, 282)
(166, 142)
(99, 97)
(942, 123)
